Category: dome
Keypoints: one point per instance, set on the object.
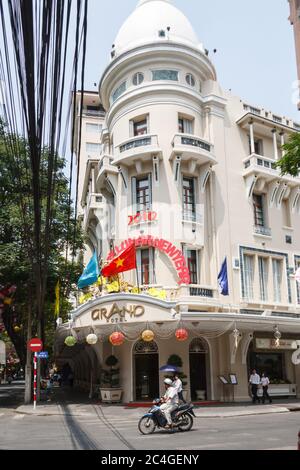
(149, 23)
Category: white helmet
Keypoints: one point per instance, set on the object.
(168, 382)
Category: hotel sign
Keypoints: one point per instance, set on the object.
(117, 314)
(149, 216)
(269, 343)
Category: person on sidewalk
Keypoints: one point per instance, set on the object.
(177, 384)
(170, 402)
(265, 382)
(254, 382)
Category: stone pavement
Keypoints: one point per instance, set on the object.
(73, 403)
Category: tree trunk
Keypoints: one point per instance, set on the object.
(28, 368)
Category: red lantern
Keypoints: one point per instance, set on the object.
(117, 339)
(181, 335)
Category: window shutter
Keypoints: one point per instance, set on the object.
(133, 195)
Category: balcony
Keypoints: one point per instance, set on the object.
(94, 202)
(105, 167)
(137, 149)
(196, 291)
(190, 147)
(194, 217)
(265, 168)
(266, 119)
(263, 231)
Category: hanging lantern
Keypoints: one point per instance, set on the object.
(181, 334)
(148, 336)
(277, 336)
(92, 339)
(70, 341)
(117, 339)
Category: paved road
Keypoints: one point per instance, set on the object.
(103, 428)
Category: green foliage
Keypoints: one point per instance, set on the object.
(17, 254)
(110, 378)
(111, 361)
(290, 163)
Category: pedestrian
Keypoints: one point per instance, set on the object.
(254, 382)
(265, 382)
(71, 379)
(48, 388)
(177, 384)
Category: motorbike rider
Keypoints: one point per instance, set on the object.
(170, 401)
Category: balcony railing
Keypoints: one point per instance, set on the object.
(192, 217)
(260, 230)
(272, 117)
(201, 292)
(260, 161)
(196, 143)
(141, 142)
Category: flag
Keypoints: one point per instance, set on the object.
(57, 288)
(124, 262)
(223, 279)
(90, 274)
(297, 275)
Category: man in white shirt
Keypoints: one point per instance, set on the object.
(265, 382)
(177, 384)
(254, 382)
(170, 400)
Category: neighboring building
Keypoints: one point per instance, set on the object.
(295, 21)
(198, 166)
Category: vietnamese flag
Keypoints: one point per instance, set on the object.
(124, 262)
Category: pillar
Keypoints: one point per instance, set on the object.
(252, 144)
(274, 132)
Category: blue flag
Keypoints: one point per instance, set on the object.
(90, 274)
(223, 279)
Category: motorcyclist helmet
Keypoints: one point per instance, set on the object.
(168, 382)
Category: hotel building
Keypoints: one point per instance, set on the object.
(185, 170)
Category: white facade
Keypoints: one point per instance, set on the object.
(201, 161)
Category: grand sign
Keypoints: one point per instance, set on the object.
(174, 253)
(118, 314)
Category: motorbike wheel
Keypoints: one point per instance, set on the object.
(185, 423)
(146, 425)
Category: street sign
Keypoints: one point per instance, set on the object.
(35, 345)
(43, 355)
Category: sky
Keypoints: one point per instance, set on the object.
(255, 56)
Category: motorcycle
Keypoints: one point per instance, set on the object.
(182, 418)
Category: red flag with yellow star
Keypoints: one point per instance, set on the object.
(124, 262)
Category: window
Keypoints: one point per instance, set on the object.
(185, 126)
(190, 79)
(192, 262)
(119, 91)
(189, 202)
(297, 266)
(140, 127)
(142, 193)
(94, 110)
(138, 78)
(145, 264)
(258, 147)
(93, 128)
(263, 278)
(258, 208)
(171, 75)
(272, 364)
(93, 148)
(277, 279)
(248, 277)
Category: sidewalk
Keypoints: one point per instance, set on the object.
(73, 403)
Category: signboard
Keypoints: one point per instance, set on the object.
(35, 345)
(2, 353)
(142, 217)
(43, 355)
(117, 314)
(270, 343)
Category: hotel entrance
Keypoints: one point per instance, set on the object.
(146, 367)
(198, 354)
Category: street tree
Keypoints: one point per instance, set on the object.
(290, 162)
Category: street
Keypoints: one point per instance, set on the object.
(89, 426)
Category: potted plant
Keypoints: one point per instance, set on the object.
(110, 382)
(176, 361)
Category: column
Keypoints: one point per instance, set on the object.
(252, 144)
(274, 132)
(282, 140)
(207, 124)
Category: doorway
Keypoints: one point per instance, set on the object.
(198, 355)
(146, 366)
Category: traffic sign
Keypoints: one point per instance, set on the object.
(35, 345)
(43, 355)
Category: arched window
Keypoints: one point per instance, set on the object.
(190, 79)
(197, 346)
(142, 347)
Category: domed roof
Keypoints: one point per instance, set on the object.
(149, 22)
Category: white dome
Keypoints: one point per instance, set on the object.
(150, 17)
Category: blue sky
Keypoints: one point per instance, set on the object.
(254, 40)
